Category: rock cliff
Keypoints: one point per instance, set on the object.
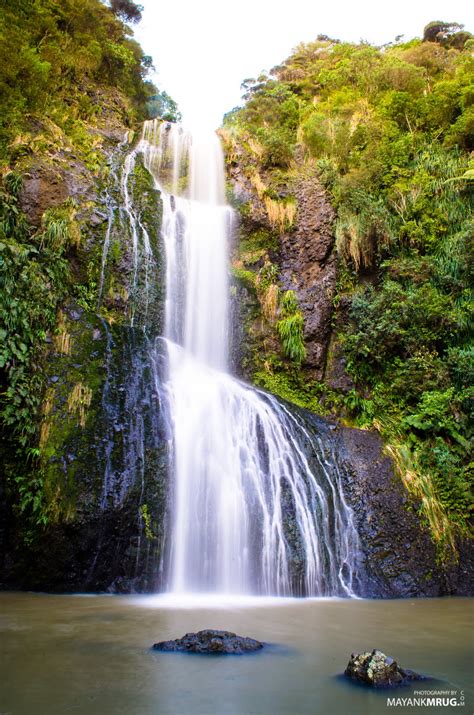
(399, 555)
(101, 489)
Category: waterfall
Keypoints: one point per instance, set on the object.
(251, 512)
(125, 225)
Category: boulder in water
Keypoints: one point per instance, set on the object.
(212, 642)
(378, 670)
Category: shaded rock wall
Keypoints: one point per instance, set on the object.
(304, 255)
(106, 468)
(398, 558)
(103, 434)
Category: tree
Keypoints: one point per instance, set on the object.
(161, 105)
(439, 31)
(127, 10)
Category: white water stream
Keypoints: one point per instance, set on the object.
(250, 515)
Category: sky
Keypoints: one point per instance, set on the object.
(204, 49)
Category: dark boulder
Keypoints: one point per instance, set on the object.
(378, 670)
(212, 642)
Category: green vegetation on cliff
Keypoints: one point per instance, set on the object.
(290, 328)
(33, 280)
(389, 132)
(59, 58)
(72, 81)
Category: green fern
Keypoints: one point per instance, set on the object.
(290, 331)
(289, 303)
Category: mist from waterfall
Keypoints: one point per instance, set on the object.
(249, 513)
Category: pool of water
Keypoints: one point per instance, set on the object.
(91, 655)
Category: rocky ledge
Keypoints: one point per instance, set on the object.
(379, 670)
(212, 642)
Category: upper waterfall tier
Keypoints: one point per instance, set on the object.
(196, 224)
(189, 165)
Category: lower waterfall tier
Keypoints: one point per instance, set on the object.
(253, 510)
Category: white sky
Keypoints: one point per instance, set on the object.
(203, 49)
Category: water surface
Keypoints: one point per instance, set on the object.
(90, 654)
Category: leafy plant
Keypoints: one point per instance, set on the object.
(33, 281)
(290, 328)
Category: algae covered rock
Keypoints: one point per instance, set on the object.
(210, 642)
(378, 670)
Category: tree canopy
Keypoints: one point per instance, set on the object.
(53, 51)
(127, 10)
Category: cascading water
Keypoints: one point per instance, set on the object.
(250, 513)
(125, 225)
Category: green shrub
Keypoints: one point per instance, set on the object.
(290, 328)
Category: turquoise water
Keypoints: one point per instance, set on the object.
(91, 655)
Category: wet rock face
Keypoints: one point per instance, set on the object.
(397, 556)
(308, 266)
(107, 466)
(378, 670)
(45, 186)
(104, 435)
(400, 556)
(211, 642)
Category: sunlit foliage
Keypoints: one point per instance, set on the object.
(389, 131)
(54, 53)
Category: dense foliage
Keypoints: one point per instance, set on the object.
(34, 278)
(127, 10)
(54, 53)
(389, 131)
